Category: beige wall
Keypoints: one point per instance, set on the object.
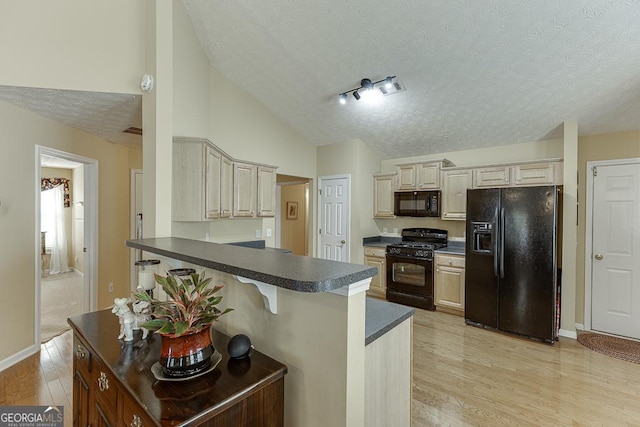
(20, 131)
(619, 145)
(73, 44)
(207, 104)
(360, 162)
(293, 232)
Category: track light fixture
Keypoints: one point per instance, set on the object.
(366, 85)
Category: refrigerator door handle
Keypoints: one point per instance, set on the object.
(502, 243)
(496, 239)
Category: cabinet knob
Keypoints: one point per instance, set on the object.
(103, 382)
(136, 422)
(80, 353)
(449, 262)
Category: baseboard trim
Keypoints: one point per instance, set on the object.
(18, 357)
(580, 327)
(568, 334)
(78, 271)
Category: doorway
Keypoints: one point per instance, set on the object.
(334, 204)
(74, 268)
(292, 214)
(612, 249)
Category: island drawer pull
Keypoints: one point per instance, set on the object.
(103, 382)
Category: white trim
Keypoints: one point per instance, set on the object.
(353, 289)
(90, 173)
(568, 334)
(19, 356)
(588, 227)
(348, 224)
(268, 291)
(579, 327)
(132, 227)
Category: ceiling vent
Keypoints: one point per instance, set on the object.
(133, 130)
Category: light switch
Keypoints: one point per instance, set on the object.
(268, 232)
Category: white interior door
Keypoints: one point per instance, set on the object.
(615, 257)
(334, 199)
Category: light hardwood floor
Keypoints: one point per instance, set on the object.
(463, 376)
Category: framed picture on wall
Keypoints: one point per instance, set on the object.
(292, 210)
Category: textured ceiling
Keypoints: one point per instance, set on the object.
(102, 114)
(477, 73)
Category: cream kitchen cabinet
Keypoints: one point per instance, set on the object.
(383, 188)
(454, 193)
(198, 183)
(376, 257)
(491, 177)
(254, 190)
(266, 191)
(245, 183)
(546, 173)
(449, 283)
(421, 176)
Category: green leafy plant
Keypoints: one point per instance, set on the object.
(191, 305)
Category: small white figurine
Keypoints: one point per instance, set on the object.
(127, 318)
(141, 312)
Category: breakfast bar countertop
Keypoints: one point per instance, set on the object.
(298, 273)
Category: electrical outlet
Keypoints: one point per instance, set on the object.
(384, 229)
(268, 232)
(395, 231)
(258, 233)
(110, 286)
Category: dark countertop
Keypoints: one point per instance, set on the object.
(452, 248)
(259, 244)
(382, 316)
(295, 272)
(380, 241)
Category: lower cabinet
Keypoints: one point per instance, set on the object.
(376, 257)
(449, 283)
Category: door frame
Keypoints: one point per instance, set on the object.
(90, 173)
(133, 273)
(588, 226)
(319, 222)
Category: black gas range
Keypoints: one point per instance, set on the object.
(410, 266)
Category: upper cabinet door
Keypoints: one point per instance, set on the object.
(407, 177)
(188, 180)
(454, 193)
(428, 176)
(499, 176)
(226, 186)
(534, 174)
(212, 183)
(266, 192)
(244, 189)
(383, 195)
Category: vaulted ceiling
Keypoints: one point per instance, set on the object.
(476, 74)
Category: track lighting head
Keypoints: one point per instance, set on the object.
(368, 88)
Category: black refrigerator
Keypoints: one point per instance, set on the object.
(512, 258)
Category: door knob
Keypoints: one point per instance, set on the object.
(343, 242)
(599, 257)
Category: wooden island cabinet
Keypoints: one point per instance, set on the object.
(113, 384)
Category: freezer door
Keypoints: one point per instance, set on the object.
(527, 288)
(481, 282)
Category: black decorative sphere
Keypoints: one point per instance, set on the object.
(239, 346)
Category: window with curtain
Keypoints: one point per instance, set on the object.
(53, 200)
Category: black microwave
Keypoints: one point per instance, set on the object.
(416, 203)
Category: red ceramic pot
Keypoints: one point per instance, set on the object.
(186, 355)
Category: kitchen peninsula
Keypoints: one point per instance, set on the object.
(311, 315)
